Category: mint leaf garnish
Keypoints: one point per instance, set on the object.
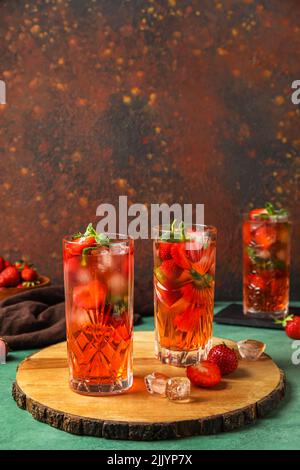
(272, 211)
(270, 208)
(172, 234)
(77, 235)
(282, 212)
(87, 250)
(261, 263)
(100, 238)
(262, 216)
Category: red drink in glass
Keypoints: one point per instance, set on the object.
(266, 265)
(184, 280)
(99, 314)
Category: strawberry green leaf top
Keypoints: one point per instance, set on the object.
(284, 321)
(291, 324)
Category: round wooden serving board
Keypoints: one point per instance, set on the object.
(42, 388)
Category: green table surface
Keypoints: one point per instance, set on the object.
(280, 430)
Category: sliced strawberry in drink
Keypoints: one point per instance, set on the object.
(170, 297)
(256, 213)
(90, 296)
(178, 307)
(184, 278)
(265, 236)
(179, 255)
(189, 319)
(256, 281)
(77, 246)
(170, 269)
(167, 296)
(207, 261)
(164, 250)
(168, 272)
(199, 297)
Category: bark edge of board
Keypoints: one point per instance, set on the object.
(83, 426)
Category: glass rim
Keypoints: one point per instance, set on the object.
(272, 218)
(165, 228)
(114, 240)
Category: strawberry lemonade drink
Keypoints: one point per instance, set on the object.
(184, 281)
(98, 274)
(266, 265)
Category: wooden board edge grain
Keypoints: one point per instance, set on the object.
(151, 431)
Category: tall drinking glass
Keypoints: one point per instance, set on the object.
(99, 314)
(184, 282)
(266, 265)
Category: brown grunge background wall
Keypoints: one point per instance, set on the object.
(163, 101)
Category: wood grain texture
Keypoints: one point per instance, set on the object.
(41, 387)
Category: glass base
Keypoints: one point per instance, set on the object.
(256, 314)
(181, 358)
(85, 388)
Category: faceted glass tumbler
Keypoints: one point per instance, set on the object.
(184, 284)
(99, 316)
(266, 266)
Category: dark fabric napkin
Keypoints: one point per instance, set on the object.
(35, 318)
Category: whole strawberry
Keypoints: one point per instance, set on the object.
(225, 357)
(9, 277)
(2, 264)
(29, 274)
(291, 324)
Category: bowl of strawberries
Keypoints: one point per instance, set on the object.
(19, 276)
